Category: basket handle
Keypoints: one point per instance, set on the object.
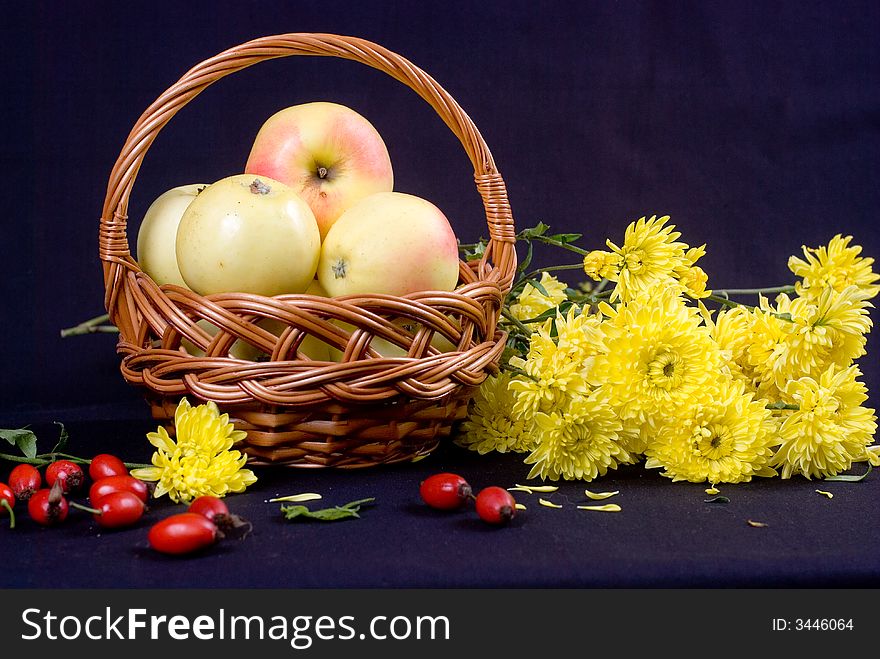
(498, 263)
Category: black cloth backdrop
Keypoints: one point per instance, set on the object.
(755, 125)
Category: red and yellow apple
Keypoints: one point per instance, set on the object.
(248, 234)
(331, 155)
(158, 232)
(389, 243)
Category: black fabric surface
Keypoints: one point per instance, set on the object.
(666, 535)
(755, 125)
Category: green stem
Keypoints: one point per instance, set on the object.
(513, 319)
(5, 504)
(724, 301)
(91, 326)
(523, 279)
(556, 243)
(600, 287)
(572, 266)
(94, 511)
(754, 291)
(518, 371)
(45, 458)
(36, 461)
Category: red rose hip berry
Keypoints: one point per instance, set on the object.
(210, 507)
(48, 506)
(183, 533)
(495, 505)
(7, 501)
(122, 483)
(104, 465)
(24, 480)
(445, 491)
(68, 473)
(118, 509)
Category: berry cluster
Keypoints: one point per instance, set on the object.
(446, 491)
(118, 500)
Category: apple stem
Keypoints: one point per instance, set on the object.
(258, 187)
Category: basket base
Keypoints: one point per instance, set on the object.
(334, 435)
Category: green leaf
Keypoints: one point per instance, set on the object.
(528, 259)
(539, 286)
(22, 438)
(345, 511)
(566, 237)
(475, 252)
(62, 438)
(847, 478)
(533, 232)
(719, 499)
(780, 405)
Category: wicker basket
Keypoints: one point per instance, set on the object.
(362, 410)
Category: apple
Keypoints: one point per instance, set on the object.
(239, 349)
(157, 234)
(248, 234)
(328, 153)
(386, 348)
(389, 243)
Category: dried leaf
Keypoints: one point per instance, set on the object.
(549, 504)
(326, 514)
(62, 437)
(607, 508)
(846, 478)
(598, 496)
(519, 506)
(297, 498)
(757, 525)
(825, 493)
(520, 488)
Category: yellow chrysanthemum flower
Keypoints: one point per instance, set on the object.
(732, 331)
(830, 430)
(657, 357)
(201, 460)
(693, 278)
(647, 259)
(491, 424)
(600, 264)
(835, 266)
(827, 330)
(578, 442)
(769, 333)
(558, 368)
(693, 282)
(532, 302)
(726, 437)
(579, 334)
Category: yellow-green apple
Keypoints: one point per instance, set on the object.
(311, 347)
(158, 232)
(386, 348)
(248, 234)
(239, 349)
(331, 155)
(389, 243)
